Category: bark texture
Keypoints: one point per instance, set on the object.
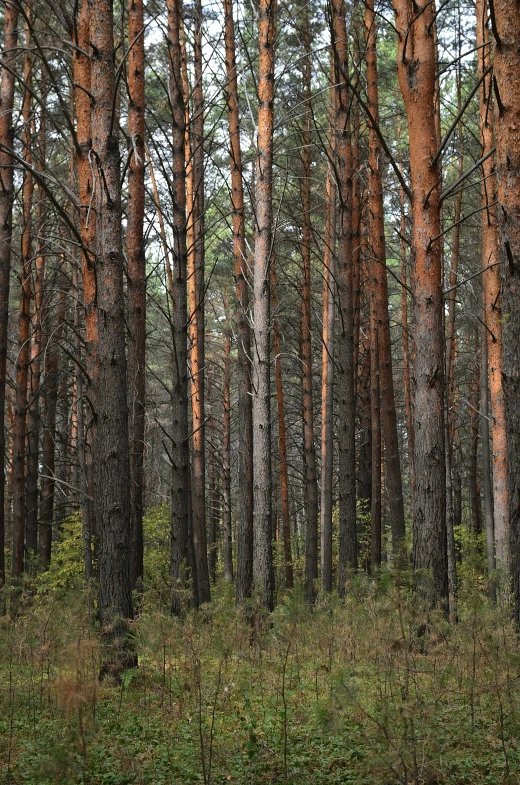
(245, 405)
(179, 447)
(417, 68)
(6, 225)
(110, 442)
(262, 480)
(506, 29)
(136, 260)
(348, 555)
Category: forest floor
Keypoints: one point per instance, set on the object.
(371, 691)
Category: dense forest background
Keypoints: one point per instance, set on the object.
(259, 371)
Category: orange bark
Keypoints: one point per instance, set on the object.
(262, 479)
(327, 359)
(24, 321)
(6, 219)
(492, 301)
(346, 412)
(379, 290)
(417, 68)
(311, 481)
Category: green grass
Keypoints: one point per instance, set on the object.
(347, 693)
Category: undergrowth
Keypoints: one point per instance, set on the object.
(372, 691)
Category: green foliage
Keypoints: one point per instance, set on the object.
(66, 571)
(372, 690)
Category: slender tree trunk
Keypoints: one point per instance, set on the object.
(49, 428)
(227, 545)
(327, 369)
(407, 360)
(346, 412)
(474, 398)
(110, 444)
(364, 479)
(6, 223)
(179, 447)
(492, 301)
(262, 484)
(214, 501)
(375, 409)
(24, 337)
(486, 457)
(417, 68)
(380, 286)
(87, 222)
(136, 261)
(311, 480)
(282, 441)
(33, 419)
(86, 497)
(245, 409)
(196, 320)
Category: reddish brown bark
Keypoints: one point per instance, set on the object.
(33, 418)
(196, 318)
(49, 428)
(474, 399)
(311, 480)
(24, 323)
(227, 539)
(380, 293)
(245, 411)
(136, 261)
(327, 363)
(492, 300)
(506, 29)
(262, 480)
(87, 223)
(7, 84)
(375, 404)
(417, 68)
(346, 404)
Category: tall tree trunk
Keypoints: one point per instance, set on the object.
(282, 441)
(474, 398)
(417, 68)
(109, 381)
(33, 418)
(87, 223)
(6, 224)
(407, 359)
(136, 261)
(227, 545)
(346, 405)
(196, 320)
(214, 500)
(262, 484)
(245, 406)
(492, 301)
(375, 409)
(179, 447)
(486, 456)
(311, 480)
(24, 323)
(380, 287)
(327, 364)
(51, 384)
